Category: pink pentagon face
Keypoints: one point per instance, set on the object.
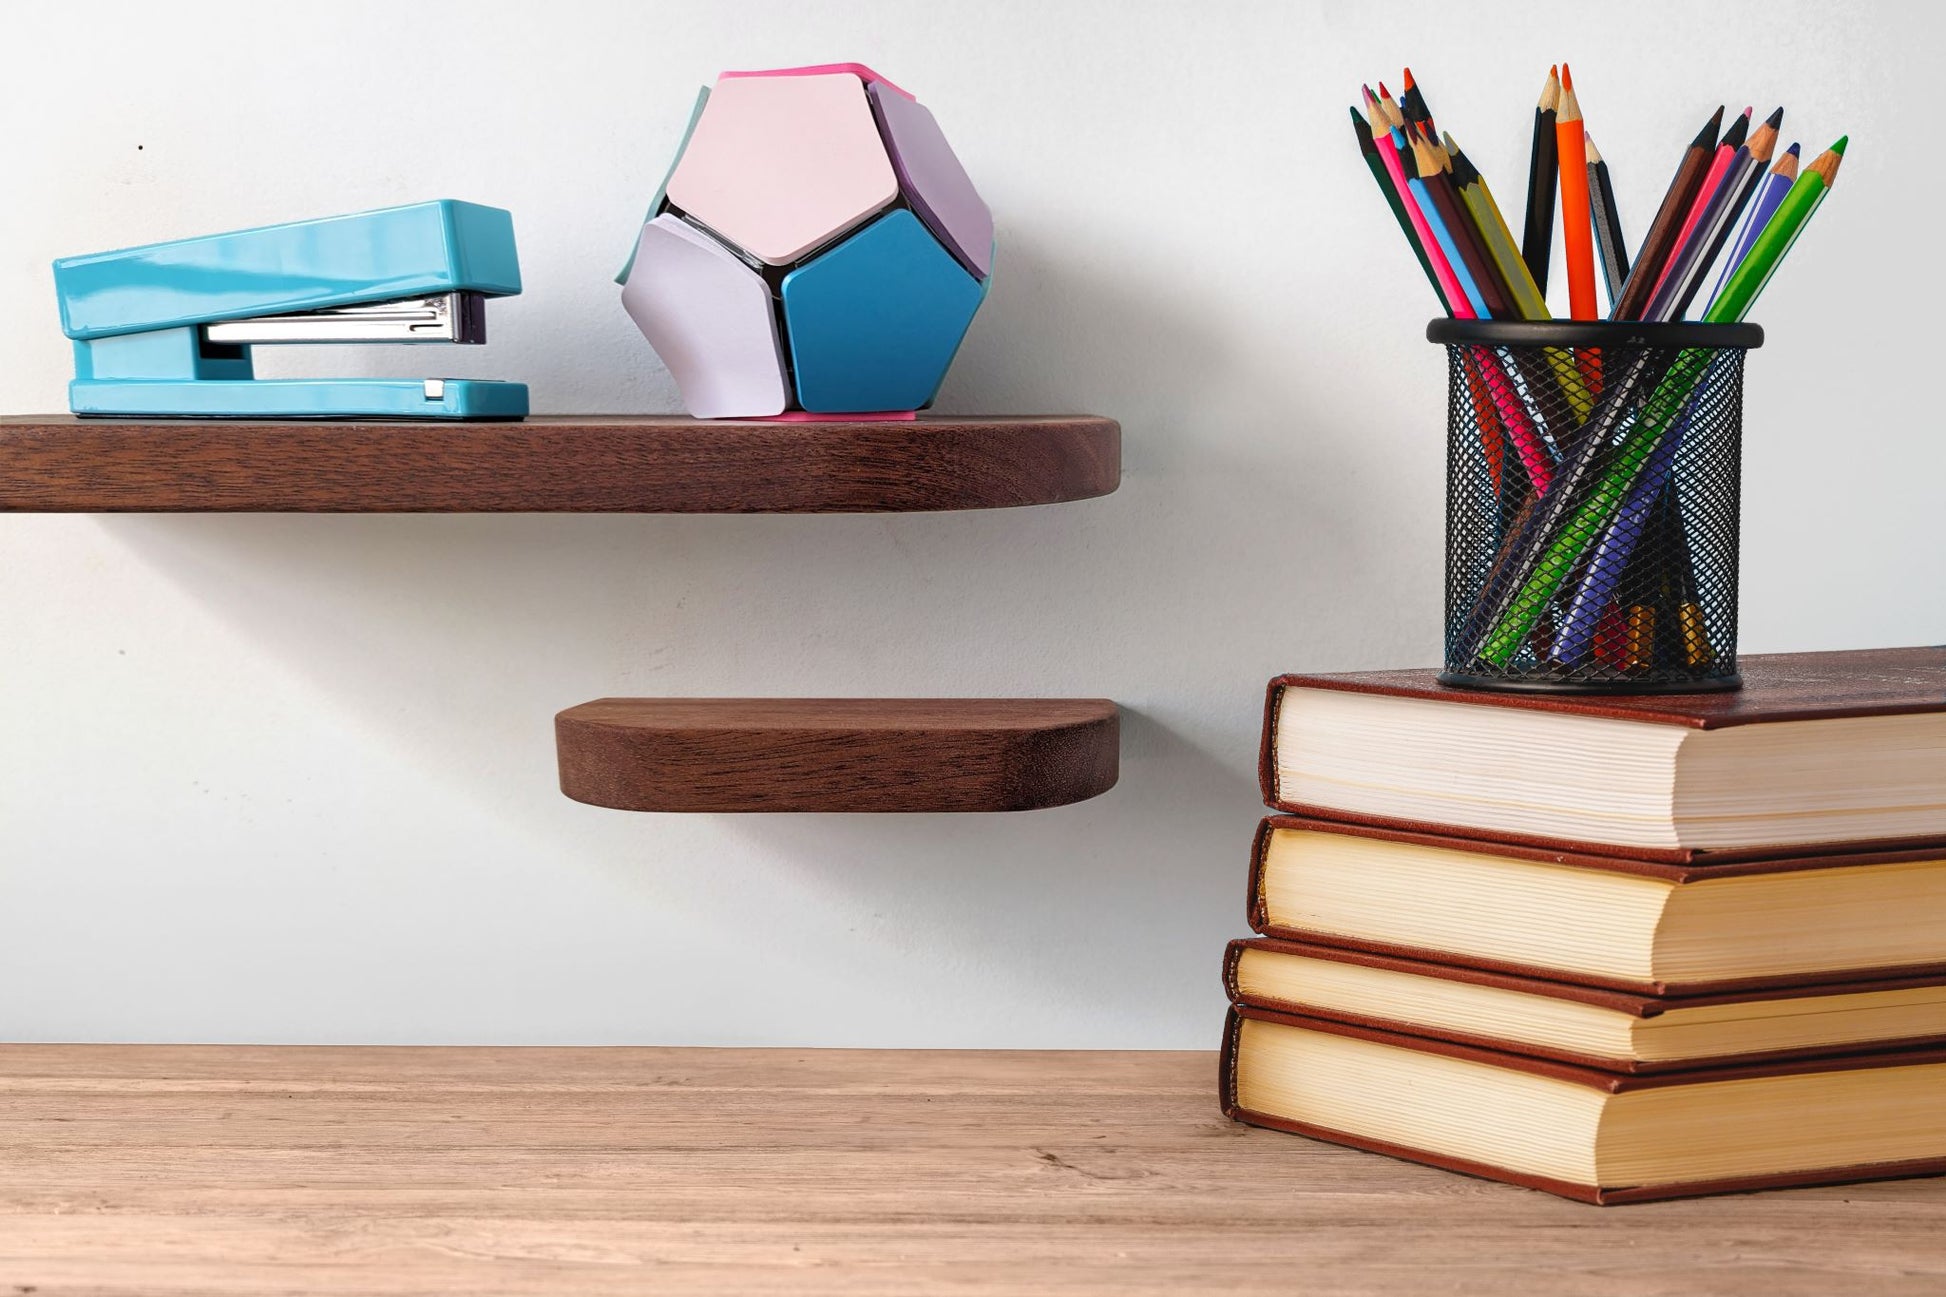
(709, 318)
(781, 165)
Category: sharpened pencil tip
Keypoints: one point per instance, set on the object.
(1383, 93)
(1409, 82)
(1776, 119)
(1839, 147)
(1792, 150)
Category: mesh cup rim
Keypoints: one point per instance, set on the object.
(1595, 333)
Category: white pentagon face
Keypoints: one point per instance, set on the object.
(709, 317)
(779, 166)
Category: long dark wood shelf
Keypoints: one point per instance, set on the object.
(838, 754)
(552, 464)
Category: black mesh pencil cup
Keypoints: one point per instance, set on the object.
(1592, 480)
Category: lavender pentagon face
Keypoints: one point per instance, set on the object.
(934, 183)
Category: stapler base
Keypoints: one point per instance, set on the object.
(300, 398)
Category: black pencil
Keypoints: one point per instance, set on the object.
(1413, 104)
(1608, 225)
(1543, 173)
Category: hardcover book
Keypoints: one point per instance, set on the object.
(1817, 750)
(1645, 926)
(1596, 1136)
(1611, 1030)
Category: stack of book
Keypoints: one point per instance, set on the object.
(1617, 948)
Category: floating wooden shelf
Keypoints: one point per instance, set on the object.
(582, 463)
(838, 754)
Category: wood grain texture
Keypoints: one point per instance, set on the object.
(166, 1171)
(838, 754)
(582, 463)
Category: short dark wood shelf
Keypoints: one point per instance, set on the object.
(552, 464)
(838, 754)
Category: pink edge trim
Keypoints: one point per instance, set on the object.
(810, 416)
(858, 70)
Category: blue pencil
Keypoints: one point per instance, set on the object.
(1447, 244)
(1775, 185)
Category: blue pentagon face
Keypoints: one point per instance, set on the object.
(874, 322)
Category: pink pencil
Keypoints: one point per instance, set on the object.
(1520, 428)
(1719, 166)
(1442, 270)
(1513, 417)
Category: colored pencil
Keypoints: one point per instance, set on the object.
(1489, 425)
(1560, 533)
(1388, 153)
(1577, 229)
(1413, 104)
(1770, 247)
(1720, 162)
(1658, 242)
(1608, 224)
(1690, 632)
(1528, 302)
(1639, 516)
(1537, 244)
(1434, 170)
(1369, 149)
(1691, 264)
(1394, 115)
(1518, 413)
(1442, 251)
(1443, 235)
(1776, 183)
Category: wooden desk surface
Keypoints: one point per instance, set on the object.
(162, 1171)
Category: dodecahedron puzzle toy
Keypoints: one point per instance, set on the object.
(815, 247)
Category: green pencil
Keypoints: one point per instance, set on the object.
(1369, 148)
(1589, 521)
(1780, 232)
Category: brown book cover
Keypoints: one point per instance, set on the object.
(1610, 1082)
(1777, 687)
(1635, 1005)
(1260, 923)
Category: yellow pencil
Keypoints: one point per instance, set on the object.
(1499, 241)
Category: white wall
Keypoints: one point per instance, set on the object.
(291, 778)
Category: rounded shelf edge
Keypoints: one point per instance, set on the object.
(772, 755)
(553, 464)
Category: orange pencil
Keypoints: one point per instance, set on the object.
(1577, 228)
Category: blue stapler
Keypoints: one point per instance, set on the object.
(167, 329)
